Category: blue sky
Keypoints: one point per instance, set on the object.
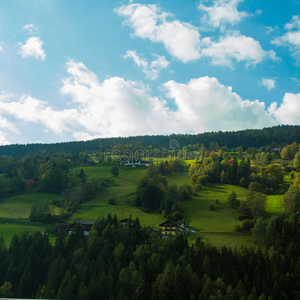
(77, 70)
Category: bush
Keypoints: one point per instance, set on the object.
(247, 225)
(232, 201)
(112, 201)
(114, 170)
(237, 228)
(175, 216)
(212, 207)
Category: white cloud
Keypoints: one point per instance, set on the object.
(84, 136)
(3, 139)
(291, 39)
(151, 69)
(295, 23)
(271, 29)
(206, 105)
(31, 28)
(289, 110)
(235, 48)
(5, 124)
(181, 39)
(269, 83)
(33, 47)
(114, 107)
(222, 12)
(119, 107)
(1, 48)
(29, 109)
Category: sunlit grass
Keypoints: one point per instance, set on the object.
(275, 204)
(20, 206)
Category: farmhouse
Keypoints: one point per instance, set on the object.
(173, 228)
(86, 225)
(135, 162)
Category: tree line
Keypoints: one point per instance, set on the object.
(118, 261)
(274, 136)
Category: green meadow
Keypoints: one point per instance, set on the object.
(216, 226)
(18, 207)
(122, 190)
(8, 228)
(213, 226)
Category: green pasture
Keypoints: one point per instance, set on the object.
(8, 228)
(20, 206)
(275, 204)
(122, 190)
(213, 226)
(216, 226)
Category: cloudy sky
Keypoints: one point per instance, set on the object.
(76, 70)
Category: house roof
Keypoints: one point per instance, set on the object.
(170, 223)
(124, 220)
(85, 222)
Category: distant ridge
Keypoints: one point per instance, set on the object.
(280, 135)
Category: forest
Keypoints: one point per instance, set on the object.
(118, 261)
(274, 136)
(132, 260)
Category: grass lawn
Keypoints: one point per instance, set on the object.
(9, 228)
(19, 206)
(275, 205)
(180, 178)
(216, 226)
(123, 189)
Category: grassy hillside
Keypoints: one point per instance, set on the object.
(214, 226)
(217, 226)
(19, 206)
(123, 189)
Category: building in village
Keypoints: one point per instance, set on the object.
(173, 228)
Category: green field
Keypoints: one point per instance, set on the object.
(123, 189)
(214, 226)
(274, 204)
(19, 206)
(8, 228)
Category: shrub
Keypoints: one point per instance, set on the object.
(247, 225)
(112, 201)
(232, 201)
(237, 228)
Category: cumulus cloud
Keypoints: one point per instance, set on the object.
(222, 12)
(33, 47)
(151, 69)
(31, 29)
(291, 38)
(204, 105)
(269, 83)
(5, 124)
(235, 48)
(29, 109)
(3, 139)
(289, 110)
(182, 40)
(114, 107)
(119, 107)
